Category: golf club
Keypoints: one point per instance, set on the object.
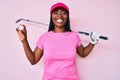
(81, 32)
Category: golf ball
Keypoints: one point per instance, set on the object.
(21, 27)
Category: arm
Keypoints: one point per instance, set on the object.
(33, 56)
(85, 51)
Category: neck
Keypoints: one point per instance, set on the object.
(58, 30)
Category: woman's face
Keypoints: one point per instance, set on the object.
(59, 17)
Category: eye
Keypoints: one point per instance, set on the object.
(64, 12)
(55, 12)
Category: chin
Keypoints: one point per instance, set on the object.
(60, 26)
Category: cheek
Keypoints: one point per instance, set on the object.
(66, 19)
(53, 19)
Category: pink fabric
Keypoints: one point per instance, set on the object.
(59, 55)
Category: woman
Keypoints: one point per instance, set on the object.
(58, 46)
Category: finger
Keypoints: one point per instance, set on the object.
(90, 34)
(17, 29)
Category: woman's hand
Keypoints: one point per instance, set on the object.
(94, 37)
(22, 33)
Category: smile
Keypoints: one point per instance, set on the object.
(59, 20)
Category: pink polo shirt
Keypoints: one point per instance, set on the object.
(59, 54)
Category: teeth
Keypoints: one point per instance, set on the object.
(59, 20)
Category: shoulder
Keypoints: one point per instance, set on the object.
(45, 33)
(74, 33)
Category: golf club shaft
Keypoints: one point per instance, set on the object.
(81, 32)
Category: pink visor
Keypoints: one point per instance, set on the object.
(59, 5)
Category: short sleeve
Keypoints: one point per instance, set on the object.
(78, 40)
(39, 43)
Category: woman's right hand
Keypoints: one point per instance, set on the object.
(22, 34)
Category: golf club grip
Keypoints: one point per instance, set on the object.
(101, 37)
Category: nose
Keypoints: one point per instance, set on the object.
(59, 14)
